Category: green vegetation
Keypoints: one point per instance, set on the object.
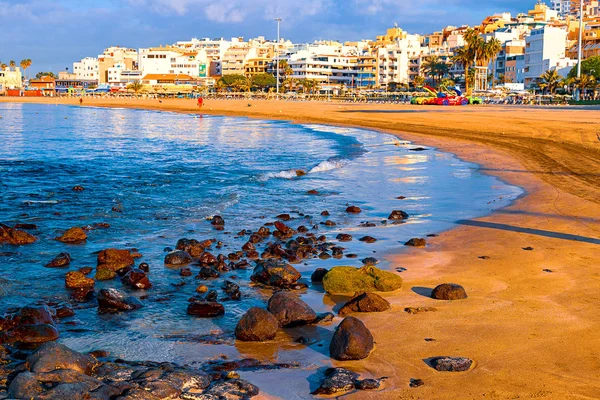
(40, 74)
(350, 280)
(591, 66)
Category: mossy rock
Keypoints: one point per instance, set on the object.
(105, 274)
(350, 280)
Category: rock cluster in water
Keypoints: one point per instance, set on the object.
(54, 371)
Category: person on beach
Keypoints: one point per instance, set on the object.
(80, 100)
(200, 102)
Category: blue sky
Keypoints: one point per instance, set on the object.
(55, 33)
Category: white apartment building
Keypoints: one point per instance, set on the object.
(329, 64)
(87, 69)
(562, 7)
(120, 75)
(174, 61)
(10, 78)
(545, 50)
(399, 62)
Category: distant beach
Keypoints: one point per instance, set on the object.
(530, 269)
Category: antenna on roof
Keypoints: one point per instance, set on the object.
(395, 24)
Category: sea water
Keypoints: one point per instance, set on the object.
(169, 172)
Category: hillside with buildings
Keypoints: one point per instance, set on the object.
(532, 43)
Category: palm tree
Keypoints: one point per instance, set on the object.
(430, 67)
(12, 63)
(492, 48)
(551, 79)
(26, 63)
(419, 81)
(135, 86)
(220, 86)
(585, 82)
(3, 66)
(247, 84)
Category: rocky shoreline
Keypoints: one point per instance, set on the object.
(33, 365)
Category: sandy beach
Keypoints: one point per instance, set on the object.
(531, 320)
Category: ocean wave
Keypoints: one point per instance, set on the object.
(329, 165)
(288, 174)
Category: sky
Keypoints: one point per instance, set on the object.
(54, 34)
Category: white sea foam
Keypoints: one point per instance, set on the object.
(288, 174)
(328, 166)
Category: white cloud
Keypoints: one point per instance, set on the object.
(237, 10)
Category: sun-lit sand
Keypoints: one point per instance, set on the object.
(531, 322)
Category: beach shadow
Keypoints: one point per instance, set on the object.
(547, 215)
(537, 172)
(538, 232)
(423, 291)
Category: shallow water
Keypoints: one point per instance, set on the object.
(169, 172)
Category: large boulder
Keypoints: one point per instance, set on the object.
(449, 291)
(365, 302)
(61, 260)
(451, 364)
(115, 259)
(256, 325)
(233, 389)
(73, 236)
(30, 334)
(191, 246)
(113, 301)
(59, 384)
(275, 273)
(290, 310)
(337, 381)
(178, 258)
(76, 279)
(351, 341)
(397, 215)
(15, 237)
(136, 279)
(52, 356)
(350, 280)
(205, 309)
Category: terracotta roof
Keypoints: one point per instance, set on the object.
(172, 77)
(43, 79)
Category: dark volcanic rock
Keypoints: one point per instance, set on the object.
(398, 215)
(30, 334)
(416, 242)
(136, 279)
(337, 381)
(368, 239)
(318, 275)
(191, 246)
(73, 236)
(451, 364)
(178, 258)
(351, 341)
(114, 259)
(232, 290)
(290, 310)
(14, 236)
(344, 237)
(449, 291)
(217, 221)
(365, 302)
(353, 210)
(370, 261)
(76, 279)
(113, 300)
(208, 273)
(368, 384)
(205, 309)
(256, 325)
(52, 356)
(61, 260)
(275, 273)
(233, 389)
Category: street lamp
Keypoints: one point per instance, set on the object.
(579, 46)
(277, 54)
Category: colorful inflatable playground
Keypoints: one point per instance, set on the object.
(446, 96)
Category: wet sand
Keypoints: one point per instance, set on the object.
(532, 333)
